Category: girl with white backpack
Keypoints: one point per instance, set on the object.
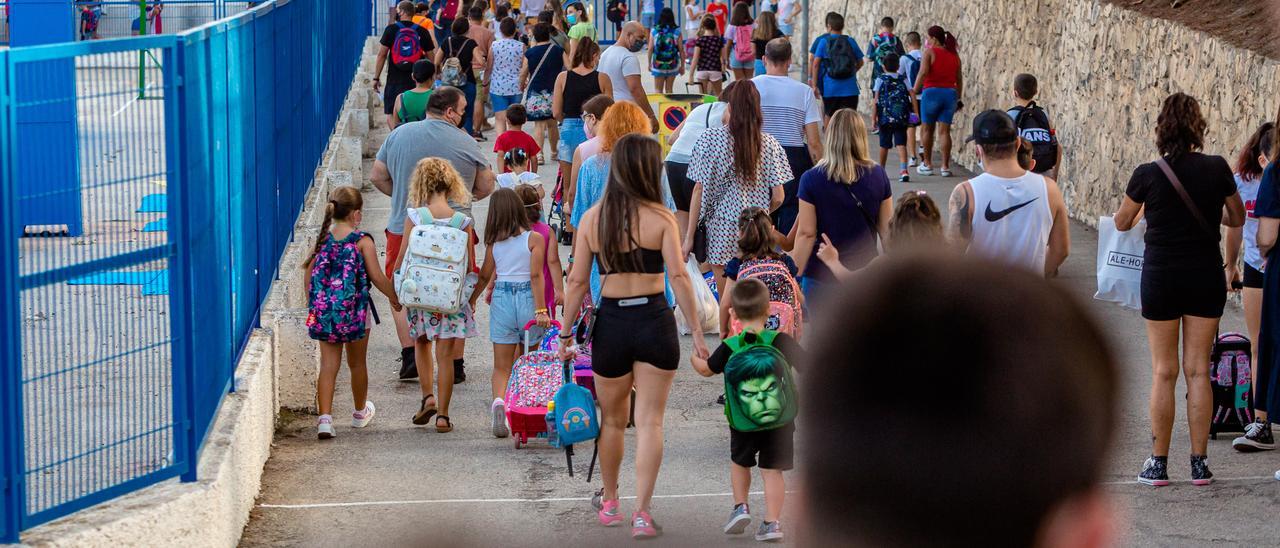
(434, 184)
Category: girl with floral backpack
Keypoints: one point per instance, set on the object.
(341, 268)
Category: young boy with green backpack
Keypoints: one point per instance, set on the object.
(760, 404)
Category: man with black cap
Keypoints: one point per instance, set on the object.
(1008, 214)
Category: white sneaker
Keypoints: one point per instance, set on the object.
(1277, 475)
(945, 172)
(912, 162)
(498, 421)
(924, 170)
(324, 430)
(360, 419)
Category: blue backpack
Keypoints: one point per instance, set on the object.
(575, 412)
(893, 101)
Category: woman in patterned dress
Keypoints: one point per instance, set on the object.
(733, 167)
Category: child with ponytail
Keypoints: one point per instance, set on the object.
(552, 270)
(756, 249)
(341, 267)
(916, 223)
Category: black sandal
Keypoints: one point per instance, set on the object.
(448, 424)
(424, 414)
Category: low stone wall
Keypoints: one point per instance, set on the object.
(1103, 73)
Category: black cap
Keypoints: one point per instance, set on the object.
(993, 127)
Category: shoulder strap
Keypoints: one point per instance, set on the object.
(866, 215)
(710, 108)
(735, 343)
(767, 336)
(458, 221)
(1182, 193)
(534, 74)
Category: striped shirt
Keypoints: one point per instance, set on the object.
(787, 105)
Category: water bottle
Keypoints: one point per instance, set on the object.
(551, 424)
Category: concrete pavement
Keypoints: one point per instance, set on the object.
(394, 484)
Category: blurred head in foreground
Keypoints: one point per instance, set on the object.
(950, 402)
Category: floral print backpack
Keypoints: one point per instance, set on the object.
(338, 298)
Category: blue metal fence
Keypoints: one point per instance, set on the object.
(186, 158)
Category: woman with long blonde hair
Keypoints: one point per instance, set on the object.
(846, 198)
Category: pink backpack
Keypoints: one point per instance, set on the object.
(785, 313)
(744, 51)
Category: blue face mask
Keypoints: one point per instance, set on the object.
(572, 18)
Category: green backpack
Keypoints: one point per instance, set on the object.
(759, 389)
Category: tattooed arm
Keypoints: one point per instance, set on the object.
(960, 216)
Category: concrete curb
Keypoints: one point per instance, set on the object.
(210, 512)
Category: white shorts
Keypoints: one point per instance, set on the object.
(709, 75)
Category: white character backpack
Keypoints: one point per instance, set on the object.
(436, 275)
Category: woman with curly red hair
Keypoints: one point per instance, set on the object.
(1184, 194)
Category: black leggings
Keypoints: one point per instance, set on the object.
(635, 329)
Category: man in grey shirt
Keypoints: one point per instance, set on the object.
(436, 137)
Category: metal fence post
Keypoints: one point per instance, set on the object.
(186, 439)
(13, 504)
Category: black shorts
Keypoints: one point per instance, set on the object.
(799, 160)
(644, 332)
(1252, 277)
(776, 448)
(389, 94)
(1172, 294)
(831, 104)
(892, 136)
(681, 186)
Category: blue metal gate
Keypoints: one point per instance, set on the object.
(192, 154)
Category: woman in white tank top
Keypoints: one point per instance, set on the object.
(514, 258)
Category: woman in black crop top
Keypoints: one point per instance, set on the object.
(634, 344)
(573, 87)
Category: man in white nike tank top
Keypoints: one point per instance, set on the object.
(1009, 214)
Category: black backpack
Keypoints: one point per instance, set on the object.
(1033, 127)
(840, 61)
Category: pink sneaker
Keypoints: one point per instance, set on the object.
(609, 514)
(643, 526)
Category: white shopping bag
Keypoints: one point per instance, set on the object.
(1120, 263)
(708, 313)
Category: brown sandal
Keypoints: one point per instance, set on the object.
(448, 425)
(424, 414)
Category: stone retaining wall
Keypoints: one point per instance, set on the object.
(1103, 73)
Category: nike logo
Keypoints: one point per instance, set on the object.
(993, 216)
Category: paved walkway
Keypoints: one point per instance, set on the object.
(395, 484)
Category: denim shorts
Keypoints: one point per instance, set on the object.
(571, 135)
(759, 66)
(937, 105)
(511, 309)
(734, 63)
(501, 102)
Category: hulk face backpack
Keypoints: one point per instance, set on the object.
(759, 389)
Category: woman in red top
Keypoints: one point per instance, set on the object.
(939, 87)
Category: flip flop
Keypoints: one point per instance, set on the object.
(448, 424)
(424, 414)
